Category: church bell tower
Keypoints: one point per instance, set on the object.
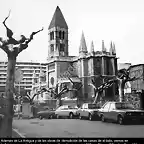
(58, 35)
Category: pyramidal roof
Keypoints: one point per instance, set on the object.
(58, 20)
(83, 47)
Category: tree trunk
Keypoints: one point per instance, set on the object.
(59, 102)
(142, 100)
(95, 99)
(121, 90)
(6, 128)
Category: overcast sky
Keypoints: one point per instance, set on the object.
(121, 21)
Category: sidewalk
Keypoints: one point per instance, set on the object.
(26, 127)
(16, 134)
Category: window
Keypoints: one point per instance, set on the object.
(72, 107)
(63, 35)
(83, 106)
(106, 107)
(98, 63)
(62, 47)
(51, 35)
(112, 106)
(65, 107)
(57, 34)
(60, 108)
(86, 106)
(52, 47)
(60, 34)
(124, 106)
(92, 106)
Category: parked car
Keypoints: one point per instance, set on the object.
(46, 113)
(120, 112)
(88, 110)
(66, 111)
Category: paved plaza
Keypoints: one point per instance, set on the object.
(75, 128)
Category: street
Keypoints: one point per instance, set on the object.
(75, 128)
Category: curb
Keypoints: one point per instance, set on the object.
(18, 133)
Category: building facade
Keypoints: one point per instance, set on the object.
(29, 69)
(138, 72)
(88, 65)
(81, 68)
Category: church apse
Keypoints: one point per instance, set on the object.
(109, 66)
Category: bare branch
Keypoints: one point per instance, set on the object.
(79, 87)
(31, 36)
(28, 97)
(134, 78)
(22, 46)
(5, 49)
(64, 91)
(95, 99)
(6, 18)
(71, 80)
(92, 86)
(34, 96)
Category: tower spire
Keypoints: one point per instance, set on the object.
(58, 20)
(92, 47)
(58, 35)
(114, 50)
(103, 46)
(83, 47)
(111, 48)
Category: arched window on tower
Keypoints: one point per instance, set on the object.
(63, 35)
(57, 34)
(52, 35)
(60, 36)
(52, 48)
(62, 49)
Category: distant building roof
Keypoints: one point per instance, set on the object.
(58, 20)
(136, 65)
(123, 65)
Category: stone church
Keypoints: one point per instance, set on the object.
(82, 68)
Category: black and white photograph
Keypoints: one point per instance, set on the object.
(72, 69)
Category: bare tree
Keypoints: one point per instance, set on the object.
(55, 93)
(98, 90)
(121, 79)
(124, 77)
(12, 48)
(76, 87)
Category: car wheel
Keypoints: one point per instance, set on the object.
(51, 116)
(40, 117)
(71, 115)
(80, 117)
(102, 118)
(57, 116)
(120, 120)
(90, 117)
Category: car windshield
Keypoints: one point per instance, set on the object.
(93, 106)
(72, 107)
(124, 106)
(46, 109)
